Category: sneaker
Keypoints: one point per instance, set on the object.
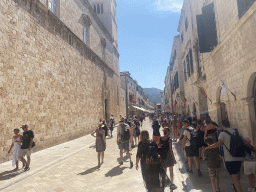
(189, 171)
(218, 190)
(173, 186)
(199, 173)
(121, 163)
(26, 168)
(131, 164)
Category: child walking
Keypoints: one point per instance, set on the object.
(213, 162)
(16, 144)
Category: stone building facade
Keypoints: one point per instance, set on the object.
(218, 40)
(136, 100)
(59, 70)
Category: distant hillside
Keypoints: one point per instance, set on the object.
(153, 94)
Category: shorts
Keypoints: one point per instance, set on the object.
(233, 167)
(124, 146)
(249, 167)
(24, 152)
(156, 138)
(214, 172)
(111, 128)
(192, 151)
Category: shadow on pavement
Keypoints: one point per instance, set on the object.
(9, 174)
(124, 158)
(91, 170)
(115, 171)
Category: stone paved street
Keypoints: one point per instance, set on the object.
(72, 166)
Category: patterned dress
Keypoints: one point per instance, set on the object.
(100, 144)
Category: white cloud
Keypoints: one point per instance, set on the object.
(169, 5)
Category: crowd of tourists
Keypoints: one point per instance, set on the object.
(200, 139)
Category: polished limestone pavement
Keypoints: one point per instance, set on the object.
(72, 166)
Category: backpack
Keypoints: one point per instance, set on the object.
(152, 154)
(236, 148)
(193, 137)
(124, 134)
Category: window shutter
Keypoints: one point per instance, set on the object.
(207, 32)
(188, 67)
(191, 61)
(243, 6)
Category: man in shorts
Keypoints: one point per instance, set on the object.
(232, 164)
(123, 145)
(111, 125)
(190, 150)
(26, 147)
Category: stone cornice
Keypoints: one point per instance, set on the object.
(98, 21)
(50, 22)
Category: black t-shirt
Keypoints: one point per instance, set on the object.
(156, 128)
(26, 139)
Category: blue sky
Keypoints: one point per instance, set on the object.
(146, 29)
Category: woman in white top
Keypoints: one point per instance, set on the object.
(16, 144)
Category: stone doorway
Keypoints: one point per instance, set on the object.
(106, 110)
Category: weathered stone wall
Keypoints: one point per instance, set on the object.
(55, 86)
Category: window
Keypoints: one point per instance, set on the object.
(52, 6)
(188, 68)
(185, 71)
(186, 24)
(98, 8)
(243, 6)
(85, 35)
(191, 61)
(181, 37)
(103, 53)
(206, 29)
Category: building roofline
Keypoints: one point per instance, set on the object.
(98, 21)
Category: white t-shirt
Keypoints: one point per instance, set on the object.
(187, 133)
(226, 140)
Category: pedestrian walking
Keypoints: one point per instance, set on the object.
(141, 120)
(147, 155)
(16, 144)
(100, 143)
(136, 131)
(211, 131)
(189, 145)
(105, 127)
(167, 155)
(26, 147)
(156, 132)
(175, 128)
(213, 163)
(132, 126)
(232, 163)
(250, 163)
(201, 130)
(111, 125)
(123, 140)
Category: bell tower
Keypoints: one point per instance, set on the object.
(106, 11)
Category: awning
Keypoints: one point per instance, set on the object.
(142, 109)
